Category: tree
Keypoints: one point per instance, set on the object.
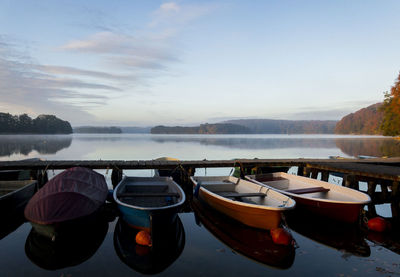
(391, 111)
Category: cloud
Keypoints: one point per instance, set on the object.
(148, 52)
(129, 59)
(173, 14)
(152, 48)
(29, 87)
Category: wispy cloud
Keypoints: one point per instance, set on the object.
(25, 84)
(67, 70)
(151, 48)
(129, 59)
(173, 14)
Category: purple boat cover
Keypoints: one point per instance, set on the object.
(74, 193)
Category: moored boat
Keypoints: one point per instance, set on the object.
(71, 197)
(165, 172)
(319, 197)
(145, 201)
(14, 195)
(249, 203)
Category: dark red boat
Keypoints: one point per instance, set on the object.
(71, 197)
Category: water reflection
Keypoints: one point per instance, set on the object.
(389, 239)
(254, 244)
(352, 146)
(25, 144)
(69, 250)
(347, 238)
(10, 225)
(370, 147)
(251, 142)
(104, 145)
(167, 245)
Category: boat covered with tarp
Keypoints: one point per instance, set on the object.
(73, 195)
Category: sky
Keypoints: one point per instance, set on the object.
(146, 63)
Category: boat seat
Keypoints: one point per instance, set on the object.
(146, 194)
(240, 195)
(216, 186)
(307, 190)
(268, 178)
(223, 182)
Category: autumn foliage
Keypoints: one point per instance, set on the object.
(391, 111)
(365, 121)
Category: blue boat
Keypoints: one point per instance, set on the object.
(147, 201)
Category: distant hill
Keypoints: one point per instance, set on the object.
(23, 124)
(366, 121)
(219, 128)
(271, 126)
(135, 130)
(97, 130)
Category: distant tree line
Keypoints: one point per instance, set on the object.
(218, 128)
(273, 126)
(97, 130)
(23, 124)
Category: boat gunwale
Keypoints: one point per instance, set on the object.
(119, 202)
(314, 199)
(248, 205)
(29, 184)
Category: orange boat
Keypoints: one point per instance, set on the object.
(249, 203)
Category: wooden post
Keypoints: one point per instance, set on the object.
(395, 207)
(306, 171)
(116, 177)
(41, 177)
(325, 176)
(371, 189)
(385, 192)
(314, 173)
(395, 191)
(371, 210)
(181, 176)
(350, 181)
(300, 171)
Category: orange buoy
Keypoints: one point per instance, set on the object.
(143, 238)
(281, 236)
(377, 224)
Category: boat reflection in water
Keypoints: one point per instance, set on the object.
(347, 238)
(255, 244)
(71, 249)
(167, 245)
(10, 225)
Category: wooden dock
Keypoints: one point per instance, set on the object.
(382, 171)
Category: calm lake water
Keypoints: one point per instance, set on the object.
(209, 245)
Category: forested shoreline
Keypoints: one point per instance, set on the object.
(23, 124)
